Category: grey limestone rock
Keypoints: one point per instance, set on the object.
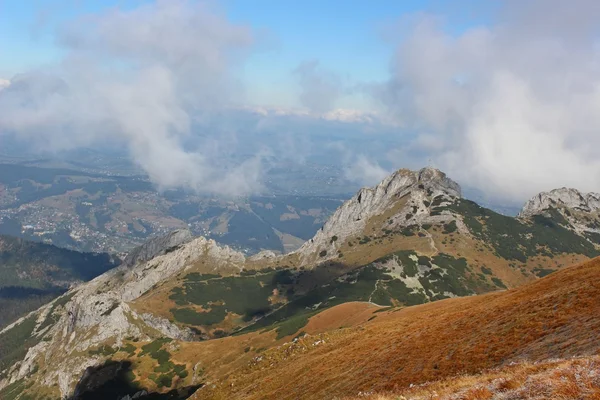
(158, 246)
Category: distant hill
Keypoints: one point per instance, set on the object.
(32, 274)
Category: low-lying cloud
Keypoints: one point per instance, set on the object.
(512, 107)
(139, 78)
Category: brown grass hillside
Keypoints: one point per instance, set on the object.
(576, 378)
(555, 317)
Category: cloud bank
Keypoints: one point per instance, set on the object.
(319, 88)
(512, 107)
(139, 78)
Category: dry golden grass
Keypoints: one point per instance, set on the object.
(555, 317)
(343, 316)
(570, 379)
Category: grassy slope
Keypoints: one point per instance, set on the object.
(288, 297)
(557, 316)
(575, 378)
(499, 252)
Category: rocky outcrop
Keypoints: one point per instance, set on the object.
(352, 217)
(167, 328)
(561, 198)
(576, 211)
(157, 246)
(263, 255)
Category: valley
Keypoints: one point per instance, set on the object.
(99, 212)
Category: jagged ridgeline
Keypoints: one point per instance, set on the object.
(183, 311)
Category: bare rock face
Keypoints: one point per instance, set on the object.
(263, 255)
(577, 211)
(157, 246)
(352, 216)
(167, 328)
(561, 198)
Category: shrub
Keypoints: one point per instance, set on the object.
(450, 227)
(498, 282)
(365, 240)
(104, 350)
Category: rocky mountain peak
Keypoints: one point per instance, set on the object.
(157, 246)
(399, 181)
(352, 216)
(561, 198)
(576, 211)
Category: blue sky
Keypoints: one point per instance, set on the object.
(350, 38)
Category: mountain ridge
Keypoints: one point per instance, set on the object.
(352, 216)
(568, 197)
(410, 240)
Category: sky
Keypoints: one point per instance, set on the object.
(288, 33)
(503, 96)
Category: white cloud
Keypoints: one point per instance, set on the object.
(511, 108)
(319, 88)
(139, 77)
(365, 171)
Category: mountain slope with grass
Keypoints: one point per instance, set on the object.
(556, 317)
(184, 313)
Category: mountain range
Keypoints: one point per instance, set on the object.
(406, 283)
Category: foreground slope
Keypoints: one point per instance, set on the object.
(573, 378)
(555, 317)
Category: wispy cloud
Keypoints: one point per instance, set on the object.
(511, 107)
(319, 88)
(139, 77)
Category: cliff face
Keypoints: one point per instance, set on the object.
(158, 246)
(575, 210)
(561, 198)
(414, 189)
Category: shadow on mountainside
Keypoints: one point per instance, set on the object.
(114, 380)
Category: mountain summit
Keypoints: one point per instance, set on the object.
(565, 198)
(406, 195)
(577, 211)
